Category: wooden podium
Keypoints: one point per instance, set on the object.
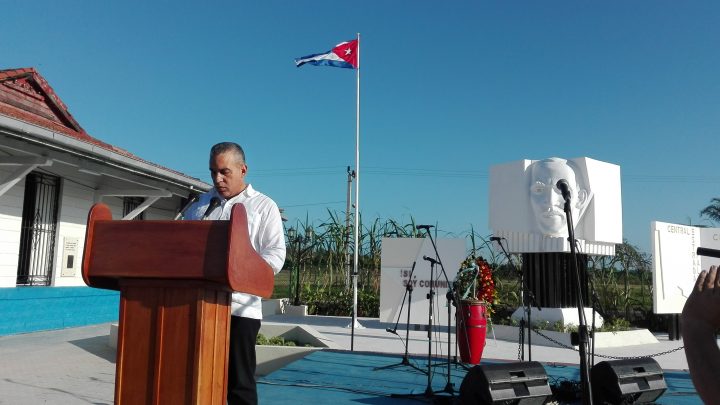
(175, 280)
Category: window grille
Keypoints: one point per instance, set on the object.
(38, 229)
(130, 203)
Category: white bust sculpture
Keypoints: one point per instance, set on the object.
(527, 209)
(546, 199)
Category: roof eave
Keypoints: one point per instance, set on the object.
(32, 132)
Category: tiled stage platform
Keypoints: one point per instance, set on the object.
(341, 377)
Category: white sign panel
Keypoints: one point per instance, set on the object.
(676, 264)
(402, 264)
(70, 256)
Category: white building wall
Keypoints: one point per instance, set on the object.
(11, 205)
(116, 206)
(75, 203)
(162, 209)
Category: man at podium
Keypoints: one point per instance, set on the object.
(228, 170)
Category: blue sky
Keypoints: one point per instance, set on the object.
(447, 90)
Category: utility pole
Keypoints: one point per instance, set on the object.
(350, 177)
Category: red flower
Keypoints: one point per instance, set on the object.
(475, 282)
(486, 287)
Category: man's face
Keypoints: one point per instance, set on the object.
(228, 174)
(545, 198)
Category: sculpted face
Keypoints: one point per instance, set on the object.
(546, 200)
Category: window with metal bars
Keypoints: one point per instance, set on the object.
(38, 229)
(130, 203)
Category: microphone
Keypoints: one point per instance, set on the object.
(564, 188)
(495, 239)
(214, 202)
(425, 227)
(431, 260)
(708, 252)
(190, 202)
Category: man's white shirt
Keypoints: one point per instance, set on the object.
(266, 236)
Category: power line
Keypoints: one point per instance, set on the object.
(447, 173)
(312, 204)
(643, 178)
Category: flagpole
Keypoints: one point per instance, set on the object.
(357, 197)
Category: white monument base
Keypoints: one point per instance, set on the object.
(274, 306)
(568, 316)
(296, 310)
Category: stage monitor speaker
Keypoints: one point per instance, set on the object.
(627, 381)
(524, 383)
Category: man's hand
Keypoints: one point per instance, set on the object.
(702, 308)
(700, 320)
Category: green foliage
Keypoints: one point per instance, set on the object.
(557, 326)
(322, 255)
(544, 325)
(275, 341)
(338, 301)
(616, 325)
(712, 211)
(570, 328)
(623, 282)
(324, 264)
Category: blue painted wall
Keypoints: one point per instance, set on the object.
(31, 309)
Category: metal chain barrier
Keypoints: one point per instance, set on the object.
(537, 331)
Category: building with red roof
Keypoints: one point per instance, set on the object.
(52, 171)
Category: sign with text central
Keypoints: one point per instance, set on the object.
(403, 265)
(676, 264)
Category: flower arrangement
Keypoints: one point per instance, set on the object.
(475, 282)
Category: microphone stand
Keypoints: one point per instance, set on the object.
(448, 386)
(193, 198)
(587, 398)
(431, 297)
(528, 300)
(428, 389)
(429, 393)
(408, 294)
(595, 303)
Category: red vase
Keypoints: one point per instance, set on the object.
(471, 328)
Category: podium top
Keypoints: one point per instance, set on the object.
(212, 251)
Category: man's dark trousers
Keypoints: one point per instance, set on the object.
(241, 370)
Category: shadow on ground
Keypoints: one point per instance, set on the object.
(98, 346)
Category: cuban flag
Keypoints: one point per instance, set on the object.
(344, 55)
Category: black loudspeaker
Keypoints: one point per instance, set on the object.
(627, 381)
(523, 383)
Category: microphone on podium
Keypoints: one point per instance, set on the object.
(190, 202)
(213, 204)
(701, 251)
